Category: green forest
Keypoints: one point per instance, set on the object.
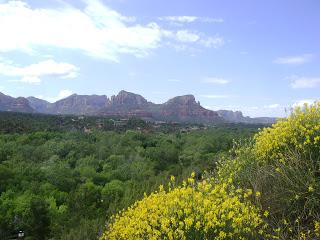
(58, 181)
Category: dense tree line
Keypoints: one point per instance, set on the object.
(13, 122)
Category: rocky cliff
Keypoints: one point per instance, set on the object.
(11, 104)
(126, 104)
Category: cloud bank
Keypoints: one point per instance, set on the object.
(32, 73)
(96, 30)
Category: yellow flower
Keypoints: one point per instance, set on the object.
(222, 235)
(172, 178)
(310, 188)
(198, 225)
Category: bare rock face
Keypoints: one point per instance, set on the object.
(237, 117)
(74, 104)
(80, 104)
(11, 104)
(178, 109)
(127, 104)
(130, 100)
(186, 109)
(182, 100)
(39, 105)
(231, 116)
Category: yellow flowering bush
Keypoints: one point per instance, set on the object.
(191, 211)
(285, 166)
(282, 166)
(300, 133)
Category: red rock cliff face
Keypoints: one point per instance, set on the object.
(185, 108)
(19, 104)
(179, 109)
(128, 99)
(80, 104)
(125, 104)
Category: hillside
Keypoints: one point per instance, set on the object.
(58, 181)
(11, 104)
(265, 189)
(183, 109)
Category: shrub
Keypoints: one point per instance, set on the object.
(300, 133)
(191, 211)
(284, 165)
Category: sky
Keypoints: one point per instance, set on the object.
(259, 57)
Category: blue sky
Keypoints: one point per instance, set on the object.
(260, 57)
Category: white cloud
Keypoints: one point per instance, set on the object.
(187, 36)
(294, 60)
(61, 95)
(30, 79)
(189, 19)
(212, 42)
(301, 103)
(32, 74)
(215, 80)
(64, 93)
(96, 30)
(182, 19)
(305, 82)
(275, 105)
(212, 20)
(213, 96)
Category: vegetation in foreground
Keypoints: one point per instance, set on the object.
(266, 189)
(60, 182)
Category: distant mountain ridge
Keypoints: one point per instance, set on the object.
(237, 117)
(187, 110)
(73, 105)
(127, 104)
(11, 104)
